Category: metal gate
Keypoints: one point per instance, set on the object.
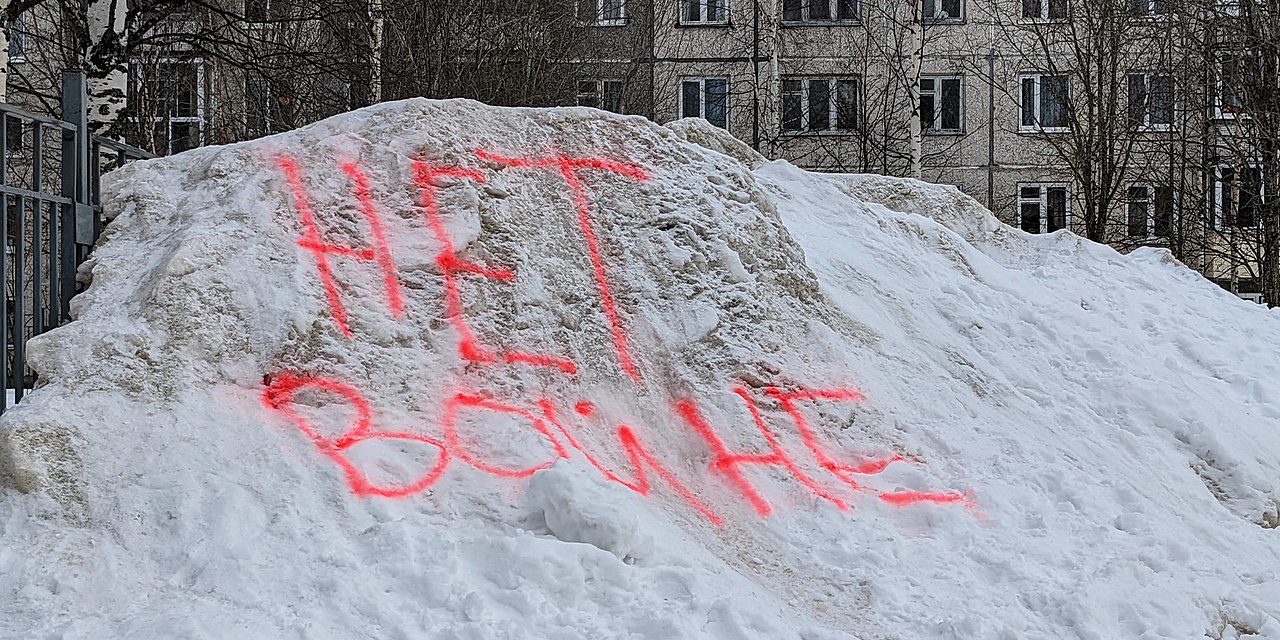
(50, 173)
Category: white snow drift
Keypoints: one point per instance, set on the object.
(1113, 419)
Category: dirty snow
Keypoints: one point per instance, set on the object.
(1113, 418)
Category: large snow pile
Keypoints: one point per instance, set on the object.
(440, 370)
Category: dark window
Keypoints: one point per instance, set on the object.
(1138, 211)
(819, 104)
(257, 104)
(707, 98)
(819, 10)
(1029, 209)
(691, 99)
(792, 10)
(1057, 200)
(1041, 9)
(18, 39)
(1251, 197)
(256, 10)
(792, 105)
(704, 11)
(847, 104)
(611, 95)
(13, 133)
(1150, 100)
(612, 10)
(717, 96)
(940, 105)
(1045, 102)
(1042, 208)
(1164, 211)
(587, 94)
(939, 10)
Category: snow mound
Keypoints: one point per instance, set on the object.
(442, 370)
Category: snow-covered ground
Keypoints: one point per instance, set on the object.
(968, 432)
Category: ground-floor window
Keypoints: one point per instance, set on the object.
(601, 94)
(1042, 208)
(820, 104)
(706, 98)
(1149, 211)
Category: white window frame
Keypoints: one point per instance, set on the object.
(1044, 13)
(1043, 201)
(598, 93)
(1146, 125)
(18, 39)
(1257, 298)
(834, 8)
(1218, 192)
(833, 106)
(1036, 103)
(702, 98)
(1218, 112)
(620, 21)
(935, 128)
(201, 97)
(937, 4)
(704, 12)
(1151, 188)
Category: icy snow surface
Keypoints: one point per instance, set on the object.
(1097, 432)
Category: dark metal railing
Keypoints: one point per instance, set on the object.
(50, 172)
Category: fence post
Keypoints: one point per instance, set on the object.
(77, 217)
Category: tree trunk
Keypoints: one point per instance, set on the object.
(106, 63)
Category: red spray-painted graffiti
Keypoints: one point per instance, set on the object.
(541, 417)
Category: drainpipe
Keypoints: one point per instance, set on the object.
(991, 129)
(755, 70)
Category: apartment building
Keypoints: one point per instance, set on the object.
(1125, 134)
(1129, 128)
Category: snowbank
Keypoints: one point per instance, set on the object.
(442, 370)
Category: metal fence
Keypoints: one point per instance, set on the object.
(50, 172)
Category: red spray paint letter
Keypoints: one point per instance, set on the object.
(312, 240)
(278, 396)
(637, 455)
(426, 176)
(728, 463)
(843, 470)
(569, 169)
(475, 402)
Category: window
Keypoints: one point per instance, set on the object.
(1151, 8)
(603, 13)
(1151, 101)
(1042, 208)
(706, 98)
(819, 104)
(704, 12)
(257, 104)
(1235, 72)
(942, 105)
(1044, 9)
(14, 129)
(257, 10)
(1149, 211)
(943, 10)
(172, 97)
(18, 39)
(601, 94)
(819, 11)
(1238, 193)
(1045, 103)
